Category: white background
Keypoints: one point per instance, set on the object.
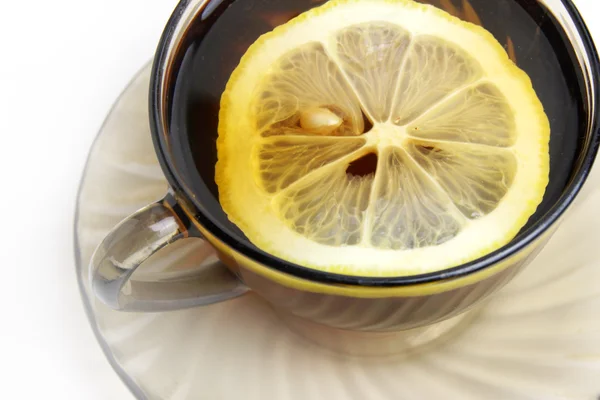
(62, 64)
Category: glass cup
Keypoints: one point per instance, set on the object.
(338, 301)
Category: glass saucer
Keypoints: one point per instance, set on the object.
(539, 338)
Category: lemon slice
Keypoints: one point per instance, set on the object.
(380, 138)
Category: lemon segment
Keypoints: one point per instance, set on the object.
(307, 79)
(328, 208)
(478, 114)
(459, 136)
(476, 178)
(434, 68)
(273, 157)
(372, 55)
(410, 212)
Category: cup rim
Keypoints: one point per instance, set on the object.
(161, 68)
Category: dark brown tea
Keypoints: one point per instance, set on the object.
(530, 34)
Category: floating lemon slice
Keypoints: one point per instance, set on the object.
(380, 138)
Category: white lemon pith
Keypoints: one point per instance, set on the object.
(460, 137)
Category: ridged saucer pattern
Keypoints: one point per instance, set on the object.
(539, 338)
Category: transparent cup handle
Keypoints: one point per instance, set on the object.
(131, 243)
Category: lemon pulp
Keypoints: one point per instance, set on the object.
(459, 135)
